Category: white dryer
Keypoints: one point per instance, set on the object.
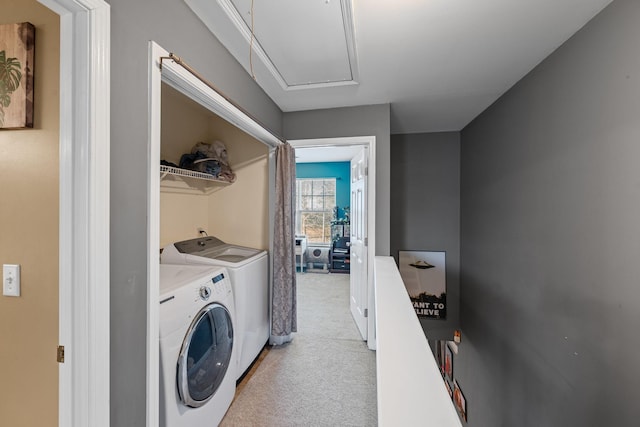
(197, 347)
(249, 271)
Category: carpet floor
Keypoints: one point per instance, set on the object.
(325, 377)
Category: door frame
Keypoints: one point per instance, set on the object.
(84, 211)
(370, 142)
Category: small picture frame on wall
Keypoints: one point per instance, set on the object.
(459, 400)
(448, 386)
(17, 54)
(448, 362)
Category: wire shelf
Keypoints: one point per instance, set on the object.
(185, 181)
(170, 170)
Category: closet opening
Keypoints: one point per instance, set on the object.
(215, 186)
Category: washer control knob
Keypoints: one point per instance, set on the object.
(205, 292)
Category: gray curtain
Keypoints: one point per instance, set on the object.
(283, 295)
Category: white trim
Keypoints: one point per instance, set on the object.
(153, 235)
(234, 16)
(407, 374)
(84, 211)
(350, 34)
(370, 142)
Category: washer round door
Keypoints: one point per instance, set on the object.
(205, 355)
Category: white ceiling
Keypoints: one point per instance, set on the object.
(439, 63)
(291, 45)
(326, 154)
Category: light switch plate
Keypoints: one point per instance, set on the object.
(11, 280)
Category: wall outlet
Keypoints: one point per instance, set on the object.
(11, 280)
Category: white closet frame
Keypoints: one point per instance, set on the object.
(179, 78)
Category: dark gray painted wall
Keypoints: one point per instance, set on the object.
(550, 240)
(353, 121)
(425, 209)
(174, 27)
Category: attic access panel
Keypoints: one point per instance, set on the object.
(303, 44)
(306, 41)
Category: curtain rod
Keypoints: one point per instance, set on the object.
(179, 61)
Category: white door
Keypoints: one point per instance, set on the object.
(359, 279)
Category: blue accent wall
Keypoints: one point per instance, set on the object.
(339, 170)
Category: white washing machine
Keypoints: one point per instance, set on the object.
(248, 269)
(197, 347)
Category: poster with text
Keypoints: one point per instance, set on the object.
(424, 276)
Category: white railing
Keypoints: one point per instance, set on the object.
(411, 391)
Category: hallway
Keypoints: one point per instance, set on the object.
(325, 377)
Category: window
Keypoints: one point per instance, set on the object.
(315, 199)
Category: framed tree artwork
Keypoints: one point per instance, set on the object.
(17, 49)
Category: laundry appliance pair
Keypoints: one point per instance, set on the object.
(248, 271)
(214, 322)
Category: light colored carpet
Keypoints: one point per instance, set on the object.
(325, 377)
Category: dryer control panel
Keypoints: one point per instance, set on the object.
(217, 288)
(205, 292)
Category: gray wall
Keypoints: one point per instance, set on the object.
(353, 121)
(174, 27)
(550, 240)
(425, 209)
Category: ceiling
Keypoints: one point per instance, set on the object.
(326, 154)
(438, 63)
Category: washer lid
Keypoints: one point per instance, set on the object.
(232, 253)
(216, 249)
(198, 245)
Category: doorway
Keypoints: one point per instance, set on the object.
(83, 278)
(346, 149)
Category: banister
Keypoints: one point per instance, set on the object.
(411, 391)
